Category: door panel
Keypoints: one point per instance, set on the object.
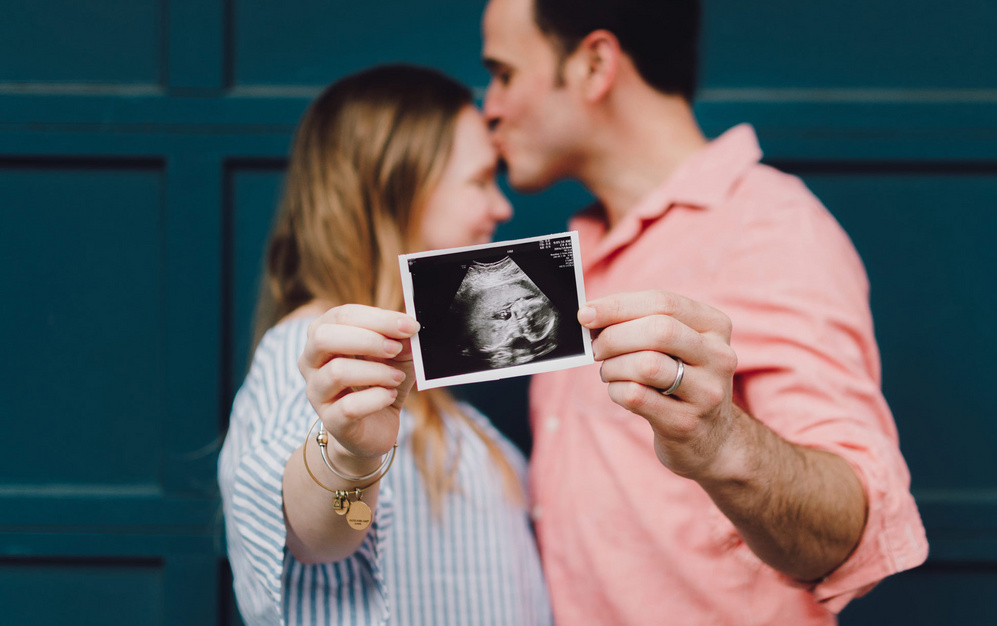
(142, 147)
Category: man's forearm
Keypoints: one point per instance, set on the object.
(801, 510)
(668, 359)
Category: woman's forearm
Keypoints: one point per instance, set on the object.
(316, 532)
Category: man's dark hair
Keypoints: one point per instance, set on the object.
(660, 36)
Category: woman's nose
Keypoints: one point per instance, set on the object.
(501, 209)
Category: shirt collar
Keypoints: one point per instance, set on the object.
(708, 176)
(703, 180)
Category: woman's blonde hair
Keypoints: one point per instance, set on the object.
(365, 157)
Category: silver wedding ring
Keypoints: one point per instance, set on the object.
(678, 379)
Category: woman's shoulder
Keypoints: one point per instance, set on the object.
(286, 339)
(273, 389)
(289, 332)
(275, 361)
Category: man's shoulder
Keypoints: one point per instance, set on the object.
(767, 193)
(766, 181)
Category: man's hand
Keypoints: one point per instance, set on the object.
(643, 336)
(800, 509)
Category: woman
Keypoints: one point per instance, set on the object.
(391, 160)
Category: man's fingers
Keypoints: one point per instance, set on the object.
(657, 372)
(648, 367)
(652, 404)
(623, 307)
(658, 333)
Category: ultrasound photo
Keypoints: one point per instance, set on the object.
(495, 311)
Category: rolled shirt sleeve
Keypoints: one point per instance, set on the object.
(754, 243)
(809, 369)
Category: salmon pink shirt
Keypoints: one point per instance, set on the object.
(625, 541)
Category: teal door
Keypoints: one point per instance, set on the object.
(142, 144)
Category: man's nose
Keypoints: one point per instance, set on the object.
(490, 107)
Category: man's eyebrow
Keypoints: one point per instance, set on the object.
(492, 65)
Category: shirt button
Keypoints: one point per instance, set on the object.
(552, 424)
(537, 512)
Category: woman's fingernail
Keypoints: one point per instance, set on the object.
(398, 375)
(408, 325)
(392, 347)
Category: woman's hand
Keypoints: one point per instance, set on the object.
(358, 371)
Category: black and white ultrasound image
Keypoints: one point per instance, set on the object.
(496, 308)
(501, 316)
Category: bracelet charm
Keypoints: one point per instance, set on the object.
(359, 515)
(357, 512)
(341, 504)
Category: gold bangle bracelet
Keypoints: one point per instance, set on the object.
(322, 439)
(357, 513)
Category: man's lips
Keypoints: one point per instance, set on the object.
(499, 144)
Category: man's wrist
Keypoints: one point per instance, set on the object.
(735, 463)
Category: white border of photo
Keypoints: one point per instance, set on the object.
(525, 369)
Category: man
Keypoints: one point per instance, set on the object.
(769, 487)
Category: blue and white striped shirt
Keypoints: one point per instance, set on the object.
(476, 564)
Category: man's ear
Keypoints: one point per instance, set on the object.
(598, 63)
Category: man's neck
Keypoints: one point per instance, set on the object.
(643, 141)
